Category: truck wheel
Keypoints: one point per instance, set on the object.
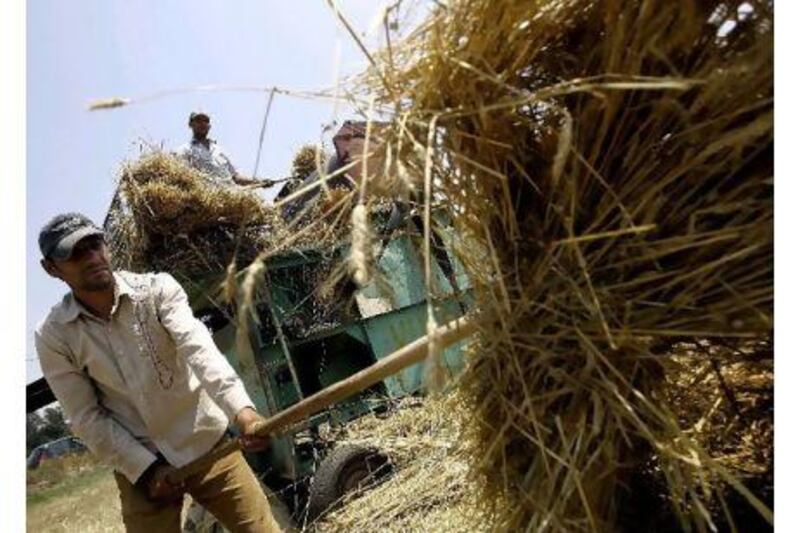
(343, 470)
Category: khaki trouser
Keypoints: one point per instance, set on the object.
(227, 488)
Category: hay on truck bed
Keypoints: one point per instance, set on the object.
(613, 161)
(170, 217)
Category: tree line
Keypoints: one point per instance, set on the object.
(45, 427)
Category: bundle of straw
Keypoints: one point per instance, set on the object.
(168, 197)
(610, 163)
(719, 400)
(169, 216)
(429, 489)
(307, 159)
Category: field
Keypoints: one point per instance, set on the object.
(77, 494)
(72, 494)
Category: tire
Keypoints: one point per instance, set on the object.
(344, 469)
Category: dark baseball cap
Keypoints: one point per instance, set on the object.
(59, 236)
(197, 114)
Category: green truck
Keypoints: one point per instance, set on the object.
(299, 345)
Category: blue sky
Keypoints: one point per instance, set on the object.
(79, 51)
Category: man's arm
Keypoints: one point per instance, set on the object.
(238, 179)
(255, 183)
(194, 343)
(104, 436)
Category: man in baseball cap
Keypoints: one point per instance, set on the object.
(73, 236)
(59, 236)
(145, 387)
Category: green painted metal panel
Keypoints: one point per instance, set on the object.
(225, 340)
(391, 331)
(402, 268)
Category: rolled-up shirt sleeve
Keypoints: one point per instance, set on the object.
(104, 436)
(193, 342)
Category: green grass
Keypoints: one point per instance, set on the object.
(67, 486)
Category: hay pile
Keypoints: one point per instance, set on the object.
(610, 163)
(720, 401)
(174, 218)
(429, 489)
(170, 217)
(307, 159)
(168, 196)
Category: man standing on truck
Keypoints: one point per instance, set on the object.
(145, 387)
(207, 156)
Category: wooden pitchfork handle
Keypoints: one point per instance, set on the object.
(406, 356)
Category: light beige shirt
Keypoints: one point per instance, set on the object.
(148, 379)
(211, 160)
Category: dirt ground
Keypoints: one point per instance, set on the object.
(74, 495)
(78, 495)
(87, 502)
